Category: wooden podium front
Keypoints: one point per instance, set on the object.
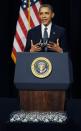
(46, 94)
(42, 100)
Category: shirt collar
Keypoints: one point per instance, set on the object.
(48, 27)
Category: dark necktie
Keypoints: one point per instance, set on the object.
(45, 38)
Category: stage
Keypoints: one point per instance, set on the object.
(10, 105)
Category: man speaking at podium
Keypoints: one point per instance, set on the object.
(47, 36)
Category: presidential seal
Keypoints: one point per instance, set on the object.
(41, 67)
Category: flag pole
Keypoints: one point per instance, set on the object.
(29, 13)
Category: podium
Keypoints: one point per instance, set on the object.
(46, 94)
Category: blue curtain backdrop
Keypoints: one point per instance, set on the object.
(67, 15)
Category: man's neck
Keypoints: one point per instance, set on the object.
(47, 25)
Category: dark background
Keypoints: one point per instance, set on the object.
(67, 15)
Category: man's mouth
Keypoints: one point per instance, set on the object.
(44, 20)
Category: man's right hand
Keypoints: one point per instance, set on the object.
(35, 47)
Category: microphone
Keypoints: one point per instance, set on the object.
(45, 42)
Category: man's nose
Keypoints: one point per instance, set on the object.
(43, 16)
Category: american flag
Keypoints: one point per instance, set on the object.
(28, 18)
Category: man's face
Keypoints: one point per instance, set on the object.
(45, 15)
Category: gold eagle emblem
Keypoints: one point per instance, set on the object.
(41, 67)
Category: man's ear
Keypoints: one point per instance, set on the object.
(53, 14)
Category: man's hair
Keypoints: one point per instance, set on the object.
(46, 5)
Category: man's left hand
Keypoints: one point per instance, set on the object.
(55, 46)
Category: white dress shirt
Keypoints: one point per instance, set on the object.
(48, 29)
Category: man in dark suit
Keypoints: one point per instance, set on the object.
(47, 36)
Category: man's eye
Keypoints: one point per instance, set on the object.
(41, 13)
(47, 13)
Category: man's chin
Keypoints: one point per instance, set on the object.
(45, 24)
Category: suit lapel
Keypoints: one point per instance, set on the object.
(39, 32)
(53, 34)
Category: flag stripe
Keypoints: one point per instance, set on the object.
(38, 5)
(19, 41)
(24, 17)
(35, 11)
(33, 16)
(17, 46)
(21, 34)
(23, 27)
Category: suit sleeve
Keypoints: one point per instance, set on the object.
(28, 42)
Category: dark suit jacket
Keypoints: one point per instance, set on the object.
(56, 32)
